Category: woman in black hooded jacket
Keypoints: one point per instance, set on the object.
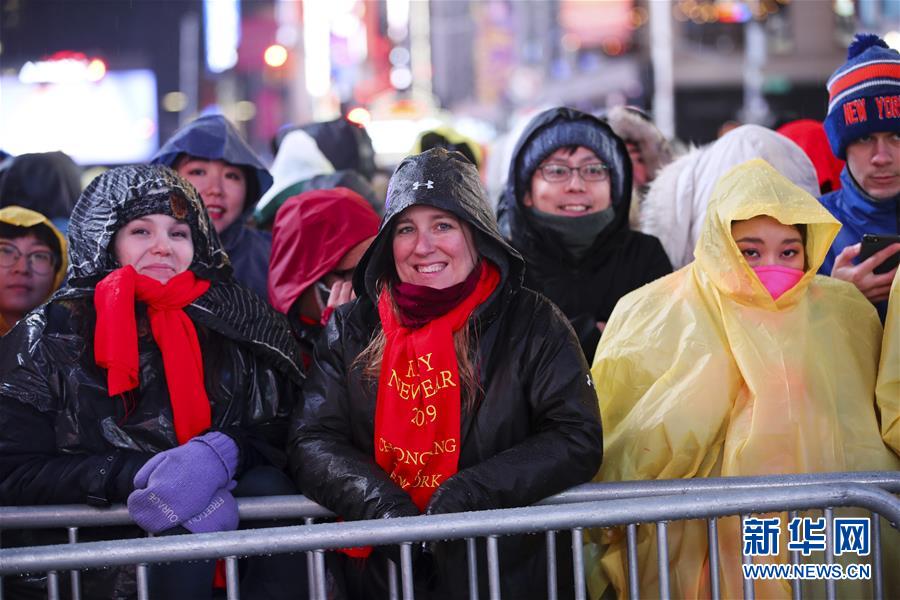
(69, 435)
(582, 262)
(503, 407)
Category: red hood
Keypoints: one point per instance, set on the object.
(312, 232)
(810, 135)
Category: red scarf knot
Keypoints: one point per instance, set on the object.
(116, 340)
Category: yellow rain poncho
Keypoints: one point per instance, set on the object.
(23, 217)
(888, 388)
(703, 374)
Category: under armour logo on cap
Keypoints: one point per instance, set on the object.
(428, 185)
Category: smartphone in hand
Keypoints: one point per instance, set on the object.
(872, 243)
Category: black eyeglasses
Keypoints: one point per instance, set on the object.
(556, 173)
(41, 262)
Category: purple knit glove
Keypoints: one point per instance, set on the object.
(220, 515)
(178, 484)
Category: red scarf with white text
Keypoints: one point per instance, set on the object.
(417, 413)
(116, 340)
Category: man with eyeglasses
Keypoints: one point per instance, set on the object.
(565, 209)
(32, 263)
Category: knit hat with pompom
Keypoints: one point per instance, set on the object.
(863, 94)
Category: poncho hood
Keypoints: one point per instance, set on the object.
(748, 190)
(312, 233)
(213, 137)
(450, 182)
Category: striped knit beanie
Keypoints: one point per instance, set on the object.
(863, 94)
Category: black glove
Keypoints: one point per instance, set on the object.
(453, 496)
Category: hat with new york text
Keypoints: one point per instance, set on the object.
(863, 94)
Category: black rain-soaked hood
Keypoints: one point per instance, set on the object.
(518, 227)
(448, 181)
(213, 137)
(125, 193)
(45, 182)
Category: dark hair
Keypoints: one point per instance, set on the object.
(42, 232)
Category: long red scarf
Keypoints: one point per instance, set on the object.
(417, 413)
(116, 340)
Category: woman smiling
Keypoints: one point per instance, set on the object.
(444, 387)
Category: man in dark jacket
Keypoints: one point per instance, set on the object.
(210, 153)
(863, 127)
(565, 209)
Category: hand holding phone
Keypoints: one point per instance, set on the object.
(872, 243)
(874, 286)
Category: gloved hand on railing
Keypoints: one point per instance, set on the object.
(178, 484)
(220, 515)
(453, 496)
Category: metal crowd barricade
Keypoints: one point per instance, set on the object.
(593, 505)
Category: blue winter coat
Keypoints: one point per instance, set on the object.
(858, 213)
(212, 137)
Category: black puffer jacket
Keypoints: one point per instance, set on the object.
(621, 260)
(63, 439)
(535, 431)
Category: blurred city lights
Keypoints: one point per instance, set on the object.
(570, 42)
(63, 67)
(893, 39)
(144, 128)
(175, 101)
(401, 78)
(733, 12)
(613, 47)
(275, 55)
(360, 116)
(317, 48)
(222, 26)
(397, 19)
(244, 110)
(399, 56)
(96, 69)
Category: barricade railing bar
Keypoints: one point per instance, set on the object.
(625, 504)
(298, 506)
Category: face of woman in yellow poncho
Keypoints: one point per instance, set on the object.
(764, 242)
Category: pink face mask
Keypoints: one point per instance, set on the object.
(778, 279)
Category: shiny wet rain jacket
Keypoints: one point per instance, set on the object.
(888, 388)
(703, 374)
(64, 440)
(535, 431)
